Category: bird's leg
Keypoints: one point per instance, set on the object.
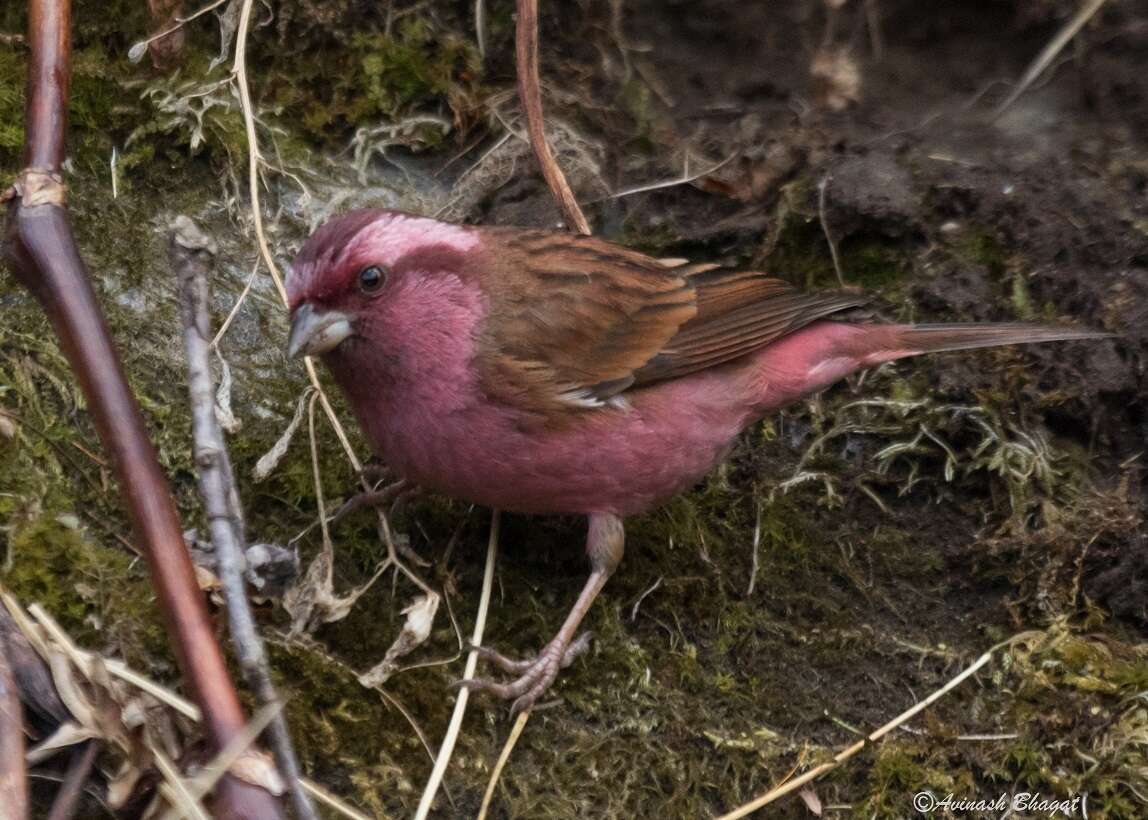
(605, 543)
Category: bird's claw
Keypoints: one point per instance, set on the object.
(535, 675)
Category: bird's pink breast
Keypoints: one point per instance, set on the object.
(607, 460)
(434, 425)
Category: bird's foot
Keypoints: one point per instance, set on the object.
(535, 675)
(395, 494)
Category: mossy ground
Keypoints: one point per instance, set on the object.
(897, 560)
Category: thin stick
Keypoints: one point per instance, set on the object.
(515, 731)
(180, 22)
(821, 188)
(254, 158)
(176, 790)
(193, 256)
(1049, 52)
(793, 785)
(873, 23)
(447, 749)
(530, 93)
(13, 775)
(231, 314)
(328, 799)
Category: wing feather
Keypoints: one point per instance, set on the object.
(575, 321)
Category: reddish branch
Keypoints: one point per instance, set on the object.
(42, 252)
(13, 781)
(530, 92)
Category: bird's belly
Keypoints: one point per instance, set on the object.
(607, 460)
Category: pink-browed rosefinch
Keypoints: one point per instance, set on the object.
(543, 372)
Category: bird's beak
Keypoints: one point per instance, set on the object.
(313, 332)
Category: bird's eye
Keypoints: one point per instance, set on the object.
(371, 279)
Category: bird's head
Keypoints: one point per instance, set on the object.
(380, 281)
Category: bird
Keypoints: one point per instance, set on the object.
(544, 372)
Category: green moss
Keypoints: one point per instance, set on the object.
(874, 263)
(100, 595)
(379, 78)
(12, 74)
(802, 256)
(980, 247)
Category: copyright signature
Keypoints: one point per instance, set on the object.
(927, 802)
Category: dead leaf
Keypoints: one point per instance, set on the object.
(313, 601)
(69, 734)
(811, 800)
(258, 769)
(8, 426)
(270, 460)
(836, 78)
(416, 629)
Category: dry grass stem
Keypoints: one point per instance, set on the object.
(504, 756)
(822, 187)
(789, 786)
(447, 749)
(177, 791)
(1049, 52)
(333, 802)
(480, 27)
(50, 642)
(685, 179)
(756, 547)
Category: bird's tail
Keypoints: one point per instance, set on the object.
(915, 339)
(821, 353)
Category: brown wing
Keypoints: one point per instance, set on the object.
(574, 321)
(572, 318)
(738, 312)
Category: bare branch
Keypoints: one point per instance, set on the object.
(192, 256)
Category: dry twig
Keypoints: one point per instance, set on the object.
(822, 187)
(72, 788)
(33, 637)
(193, 255)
